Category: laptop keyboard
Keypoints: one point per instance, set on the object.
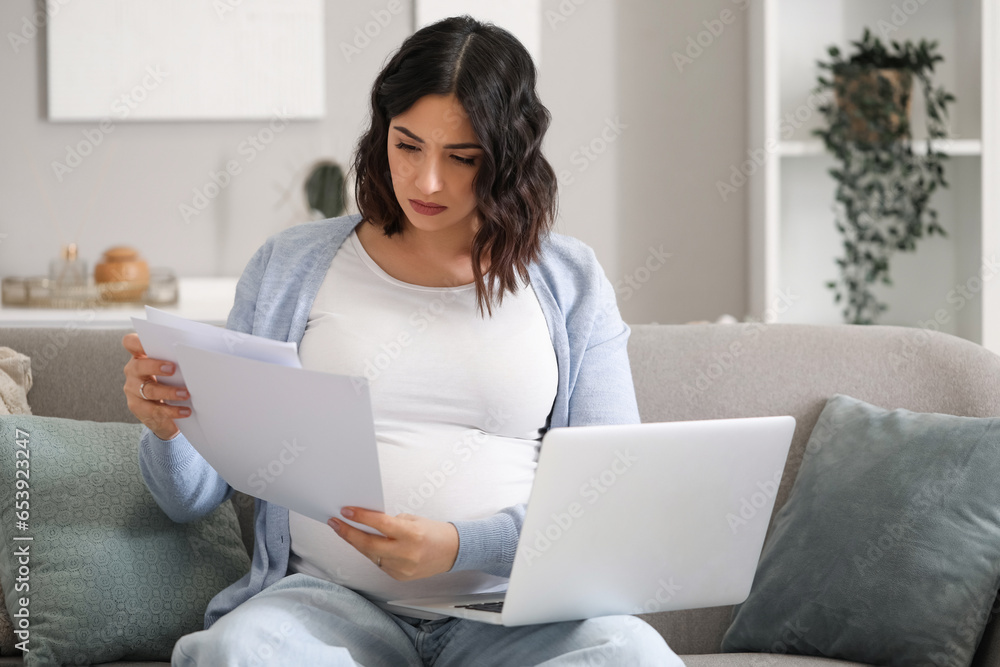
(483, 606)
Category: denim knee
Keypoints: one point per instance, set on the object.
(631, 641)
(230, 644)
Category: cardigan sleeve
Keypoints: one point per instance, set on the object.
(183, 483)
(603, 392)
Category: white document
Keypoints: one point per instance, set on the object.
(162, 331)
(173, 329)
(302, 439)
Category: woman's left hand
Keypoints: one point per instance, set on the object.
(413, 547)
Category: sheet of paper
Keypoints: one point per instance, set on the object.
(208, 337)
(176, 321)
(302, 439)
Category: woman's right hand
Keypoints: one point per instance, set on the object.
(151, 411)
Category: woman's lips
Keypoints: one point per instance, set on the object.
(425, 208)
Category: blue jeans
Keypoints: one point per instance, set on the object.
(302, 620)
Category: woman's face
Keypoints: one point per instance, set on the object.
(434, 157)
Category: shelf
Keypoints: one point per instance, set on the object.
(793, 242)
(160, 290)
(952, 147)
(201, 299)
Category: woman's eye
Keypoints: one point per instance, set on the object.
(406, 147)
(471, 161)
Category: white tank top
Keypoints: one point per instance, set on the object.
(458, 401)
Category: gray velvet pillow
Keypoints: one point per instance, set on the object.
(94, 571)
(888, 549)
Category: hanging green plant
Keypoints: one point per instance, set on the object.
(325, 189)
(882, 200)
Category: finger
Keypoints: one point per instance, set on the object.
(142, 364)
(159, 417)
(380, 521)
(369, 545)
(150, 367)
(156, 391)
(132, 344)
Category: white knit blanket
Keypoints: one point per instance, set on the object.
(15, 381)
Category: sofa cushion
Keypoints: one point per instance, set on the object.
(758, 660)
(888, 549)
(15, 382)
(6, 629)
(102, 573)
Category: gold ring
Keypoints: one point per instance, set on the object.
(378, 562)
(143, 386)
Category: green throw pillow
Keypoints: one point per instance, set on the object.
(888, 549)
(93, 569)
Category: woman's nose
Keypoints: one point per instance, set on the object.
(428, 179)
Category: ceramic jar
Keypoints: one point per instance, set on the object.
(125, 273)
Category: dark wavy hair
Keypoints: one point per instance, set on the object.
(493, 77)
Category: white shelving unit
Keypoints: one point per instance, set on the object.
(947, 283)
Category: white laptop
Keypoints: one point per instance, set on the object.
(637, 518)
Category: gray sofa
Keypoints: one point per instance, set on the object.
(681, 372)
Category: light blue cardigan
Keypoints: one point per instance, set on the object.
(273, 299)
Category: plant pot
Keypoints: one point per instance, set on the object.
(124, 275)
(869, 120)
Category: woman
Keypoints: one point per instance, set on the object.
(477, 329)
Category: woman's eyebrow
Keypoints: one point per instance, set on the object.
(448, 146)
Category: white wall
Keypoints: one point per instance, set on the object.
(129, 189)
(577, 84)
(686, 127)
(657, 140)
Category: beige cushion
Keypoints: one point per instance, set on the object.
(15, 381)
